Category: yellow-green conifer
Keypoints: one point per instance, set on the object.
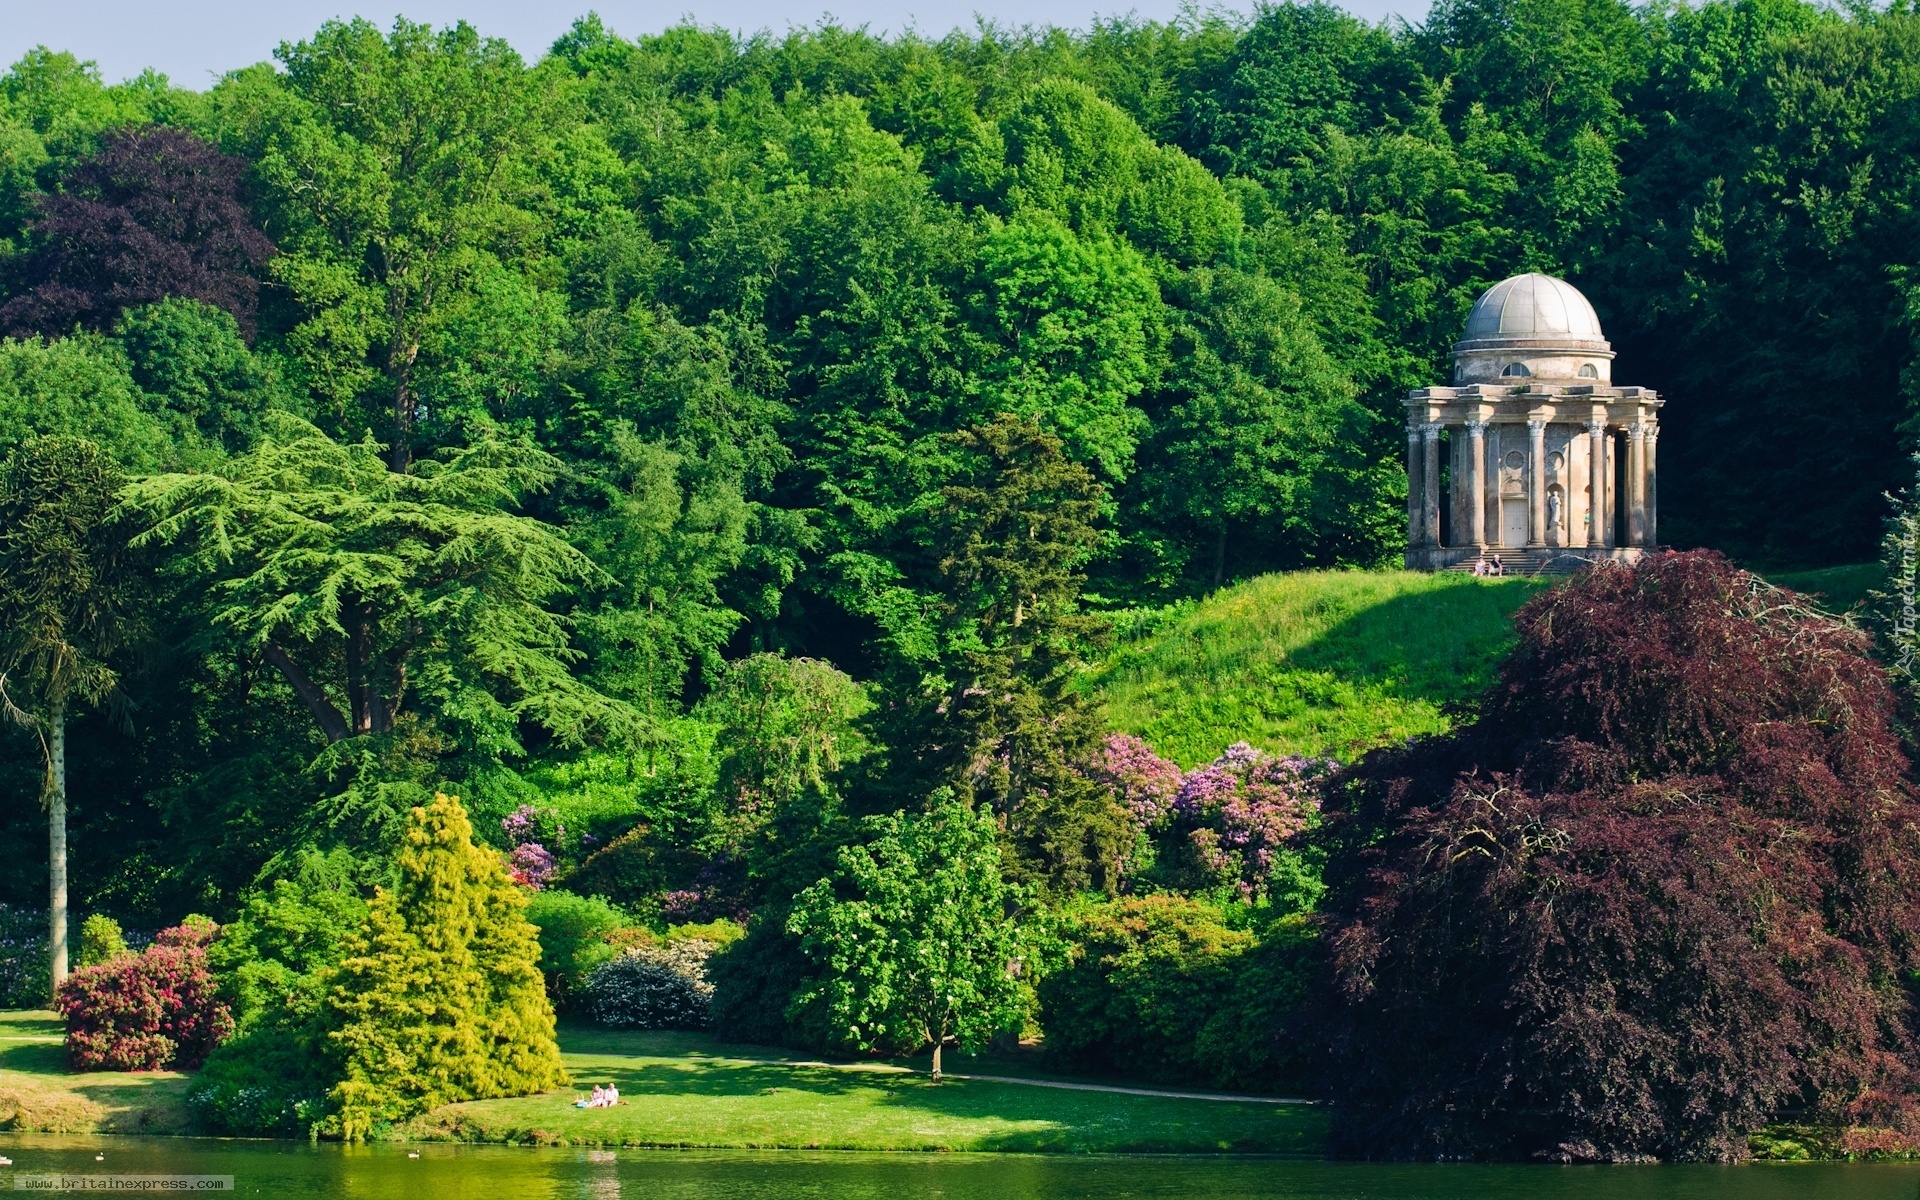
(440, 997)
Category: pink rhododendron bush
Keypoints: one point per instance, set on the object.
(1232, 827)
(149, 1011)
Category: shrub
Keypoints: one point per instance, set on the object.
(271, 1079)
(720, 931)
(148, 1011)
(573, 934)
(654, 987)
(1663, 888)
(755, 980)
(634, 868)
(1233, 826)
(271, 958)
(101, 940)
(1162, 987)
(440, 996)
(272, 961)
(1236, 820)
(1141, 781)
(26, 979)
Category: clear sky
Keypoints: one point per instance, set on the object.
(195, 41)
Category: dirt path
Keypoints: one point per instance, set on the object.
(1229, 1097)
(893, 1069)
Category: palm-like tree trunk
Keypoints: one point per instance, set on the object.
(57, 843)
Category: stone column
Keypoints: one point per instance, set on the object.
(1430, 485)
(1653, 488)
(1490, 498)
(1536, 483)
(1476, 488)
(1597, 529)
(1416, 525)
(1637, 485)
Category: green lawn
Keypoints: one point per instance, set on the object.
(1311, 662)
(1839, 588)
(39, 1095)
(687, 1090)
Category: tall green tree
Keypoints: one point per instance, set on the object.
(376, 594)
(1259, 437)
(79, 387)
(69, 604)
(913, 937)
(395, 170)
(1001, 720)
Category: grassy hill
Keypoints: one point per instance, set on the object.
(1313, 662)
(1334, 662)
(1839, 588)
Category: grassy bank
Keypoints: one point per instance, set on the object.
(39, 1095)
(1839, 588)
(1311, 662)
(688, 1090)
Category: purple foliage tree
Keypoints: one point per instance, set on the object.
(156, 212)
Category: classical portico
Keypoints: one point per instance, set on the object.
(1531, 454)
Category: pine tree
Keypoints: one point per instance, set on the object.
(1008, 724)
(440, 998)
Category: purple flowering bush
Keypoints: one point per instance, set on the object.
(24, 977)
(1232, 826)
(531, 865)
(529, 861)
(1240, 817)
(1141, 781)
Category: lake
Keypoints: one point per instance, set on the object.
(447, 1172)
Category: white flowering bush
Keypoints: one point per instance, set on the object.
(653, 987)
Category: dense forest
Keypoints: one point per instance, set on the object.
(689, 446)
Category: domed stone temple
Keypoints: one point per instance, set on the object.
(1531, 455)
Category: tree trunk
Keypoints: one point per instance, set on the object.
(331, 722)
(360, 701)
(57, 844)
(400, 359)
(936, 1060)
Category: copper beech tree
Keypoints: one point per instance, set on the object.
(1663, 890)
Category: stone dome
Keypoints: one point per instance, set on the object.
(1532, 326)
(1533, 306)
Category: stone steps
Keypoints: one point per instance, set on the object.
(1529, 562)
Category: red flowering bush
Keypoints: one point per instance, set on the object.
(148, 1011)
(1664, 889)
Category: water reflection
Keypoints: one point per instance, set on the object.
(480, 1172)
